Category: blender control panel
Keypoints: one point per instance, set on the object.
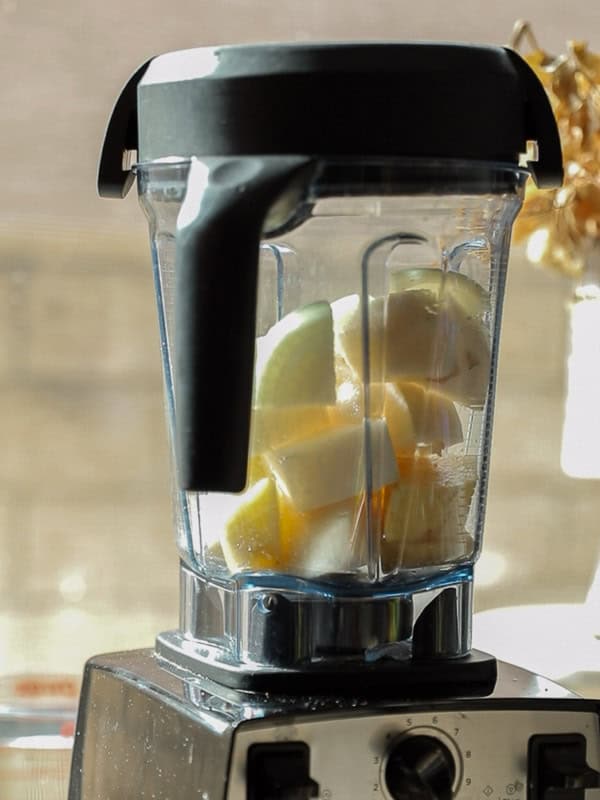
(484, 754)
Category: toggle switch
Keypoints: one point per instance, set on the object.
(279, 771)
(557, 767)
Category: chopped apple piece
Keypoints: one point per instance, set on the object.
(257, 469)
(430, 550)
(471, 297)
(385, 401)
(293, 526)
(273, 426)
(469, 382)
(330, 467)
(426, 511)
(434, 417)
(331, 539)
(403, 332)
(414, 415)
(416, 335)
(251, 536)
(397, 415)
(294, 360)
(214, 552)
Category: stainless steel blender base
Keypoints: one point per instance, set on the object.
(148, 729)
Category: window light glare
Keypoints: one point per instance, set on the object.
(580, 452)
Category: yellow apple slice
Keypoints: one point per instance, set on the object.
(470, 296)
(273, 426)
(334, 541)
(251, 536)
(404, 329)
(469, 381)
(330, 467)
(257, 469)
(386, 400)
(431, 550)
(213, 553)
(397, 415)
(426, 511)
(294, 360)
(326, 540)
(434, 417)
(416, 335)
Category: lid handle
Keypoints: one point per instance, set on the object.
(228, 205)
(115, 178)
(540, 126)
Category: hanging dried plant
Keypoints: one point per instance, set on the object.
(560, 227)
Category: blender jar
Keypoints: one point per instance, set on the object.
(375, 342)
(329, 280)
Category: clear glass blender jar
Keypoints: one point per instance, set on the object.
(375, 347)
(330, 228)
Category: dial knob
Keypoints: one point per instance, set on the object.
(420, 768)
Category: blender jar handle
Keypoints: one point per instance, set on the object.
(228, 205)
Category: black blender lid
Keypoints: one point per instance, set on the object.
(424, 100)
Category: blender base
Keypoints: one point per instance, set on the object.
(472, 674)
(150, 729)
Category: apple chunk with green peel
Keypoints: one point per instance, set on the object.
(294, 359)
(416, 335)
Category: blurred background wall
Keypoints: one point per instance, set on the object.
(87, 560)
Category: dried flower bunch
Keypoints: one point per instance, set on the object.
(561, 226)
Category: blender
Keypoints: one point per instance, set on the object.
(329, 227)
